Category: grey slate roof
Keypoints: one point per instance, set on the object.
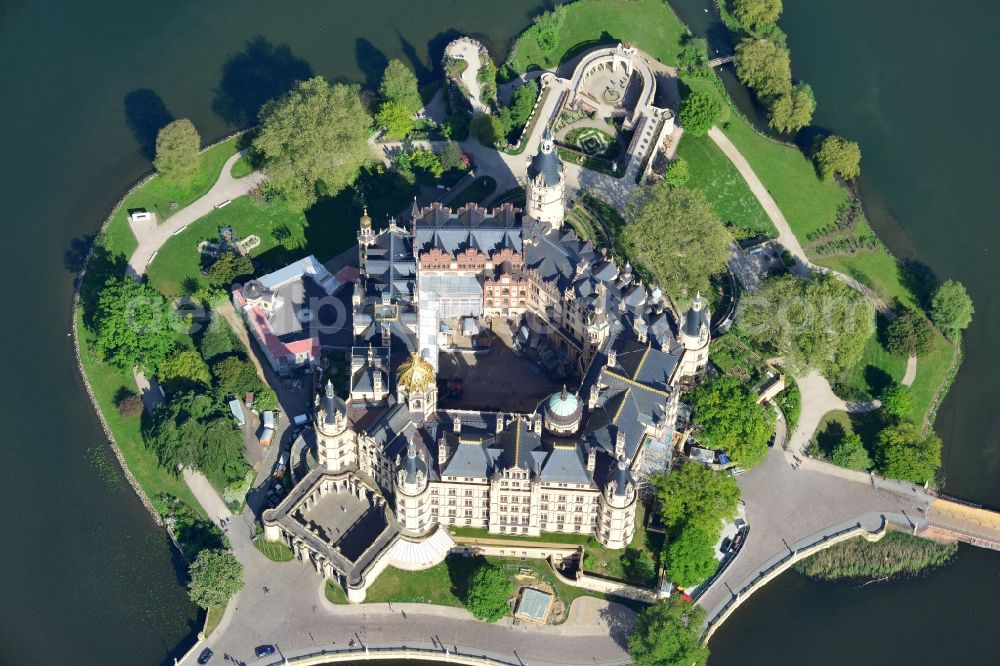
(546, 163)
(565, 464)
(331, 404)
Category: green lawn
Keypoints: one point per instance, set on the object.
(212, 619)
(649, 24)
(157, 194)
(106, 382)
(932, 371)
(241, 168)
(718, 179)
(877, 369)
(275, 551)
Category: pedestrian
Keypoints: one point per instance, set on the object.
(266, 590)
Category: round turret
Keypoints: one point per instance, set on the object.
(545, 185)
(366, 220)
(331, 415)
(563, 411)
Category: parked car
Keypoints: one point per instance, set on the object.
(205, 655)
(263, 651)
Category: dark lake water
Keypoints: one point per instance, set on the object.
(87, 576)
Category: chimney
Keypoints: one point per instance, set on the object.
(537, 424)
(386, 336)
(377, 383)
(499, 423)
(442, 452)
(595, 394)
(591, 460)
(612, 358)
(456, 425)
(620, 445)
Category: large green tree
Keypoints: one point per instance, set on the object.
(134, 325)
(216, 575)
(814, 323)
(677, 173)
(765, 67)
(850, 453)
(177, 146)
(729, 418)
(191, 430)
(909, 454)
(756, 14)
(235, 376)
(699, 111)
(217, 339)
(228, 267)
(694, 493)
(897, 402)
(314, 139)
(691, 554)
(488, 592)
(792, 111)
(836, 155)
(909, 334)
(673, 233)
(951, 307)
(396, 119)
(694, 53)
(399, 85)
(668, 633)
(187, 367)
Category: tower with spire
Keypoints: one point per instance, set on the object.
(545, 187)
(695, 335)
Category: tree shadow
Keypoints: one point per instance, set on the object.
(75, 257)
(423, 74)
(436, 44)
(620, 621)
(919, 279)
(102, 266)
(877, 379)
(256, 75)
(145, 115)
(371, 61)
(460, 570)
(832, 435)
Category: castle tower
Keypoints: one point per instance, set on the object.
(412, 490)
(616, 507)
(336, 445)
(365, 234)
(695, 336)
(563, 411)
(545, 188)
(416, 386)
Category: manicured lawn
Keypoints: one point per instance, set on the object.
(106, 382)
(212, 619)
(241, 168)
(477, 192)
(649, 24)
(273, 550)
(157, 194)
(718, 179)
(932, 371)
(708, 85)
(878, 368)
(335, 593)
(878, 270)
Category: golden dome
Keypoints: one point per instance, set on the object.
(366, 221)
(415, 374)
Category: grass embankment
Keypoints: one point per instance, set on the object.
(273, 550)
(446, 584)
(718, 179)
(894, 555)
(649, 24)
(213, 616)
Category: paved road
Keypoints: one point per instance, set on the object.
(911, 371)
(469, 52)
(785, 505)
(151, 236)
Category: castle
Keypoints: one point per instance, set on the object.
(571, 465)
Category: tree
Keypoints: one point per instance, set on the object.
(134, 325)
(185, 366)
(908, 454)
(399, 86)
(694, 493)
(228, 267)
(668, 633)
(835, 155)
(677, 172)
(177, 151)
(396, 119)
(765, 67)
(792, 111)
(191, 431)
(851, 453)
(452, 156)
(909, 334)
(129, 404)
(951, 307)
(897, 402)
(699, 111)
(235, 376)
(638, 566)
(674, 233)
(488, 129)
(729, 418)
(489, 591)
(316, 136)
(814, 323)
(694, 53)
(521, 106)
(217, 339)
(546, 29)
(691, 554)
(216, 575)
(756, 14)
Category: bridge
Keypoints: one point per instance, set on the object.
(954, 520)
(722, 60)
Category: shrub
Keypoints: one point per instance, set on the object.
(129, 404)
(489, 592)
(677, 172)
(699, 111)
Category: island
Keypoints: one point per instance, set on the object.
(538, 364)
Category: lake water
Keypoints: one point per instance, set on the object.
(83, 84)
